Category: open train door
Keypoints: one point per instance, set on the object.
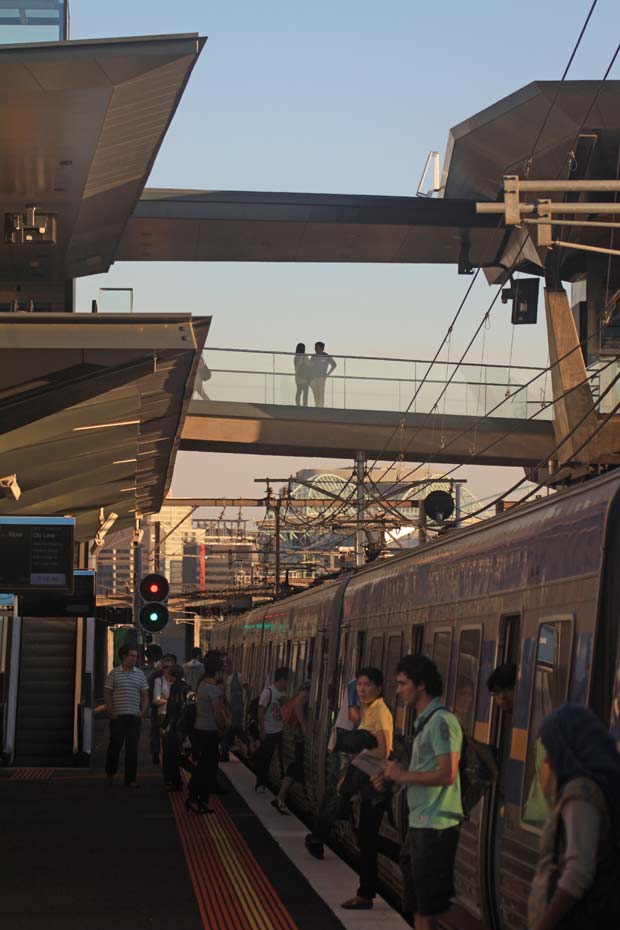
(501, 736)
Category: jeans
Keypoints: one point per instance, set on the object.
(371, 816)
(171, 744)
(263, 757)
(206, 749)
(125, 729)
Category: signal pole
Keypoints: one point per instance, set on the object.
(137, 600)
(360, 466)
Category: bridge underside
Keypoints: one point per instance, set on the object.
(266, 429)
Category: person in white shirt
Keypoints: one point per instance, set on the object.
(320, 367)
(270, 724)
(193, 669)
(126, 693)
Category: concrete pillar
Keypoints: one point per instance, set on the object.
(569, 374)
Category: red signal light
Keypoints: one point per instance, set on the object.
(154, 588)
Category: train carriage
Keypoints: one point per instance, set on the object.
(537, 586)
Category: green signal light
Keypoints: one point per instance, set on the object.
(153, 616)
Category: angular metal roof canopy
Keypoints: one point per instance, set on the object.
(92, 408)
(236, 226)
(79, 131)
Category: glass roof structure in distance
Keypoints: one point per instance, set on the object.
(33, 21)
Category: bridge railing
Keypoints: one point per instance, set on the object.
(373, 383)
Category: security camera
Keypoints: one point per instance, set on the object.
(137, 537)
(10, 488)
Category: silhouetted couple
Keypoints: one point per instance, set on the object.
(312, 371)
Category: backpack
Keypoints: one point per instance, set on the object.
(478, 769)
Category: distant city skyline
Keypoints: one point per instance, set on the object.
(336, 98)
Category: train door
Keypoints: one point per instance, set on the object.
(501, 736)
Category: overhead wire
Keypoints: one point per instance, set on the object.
(522, 246)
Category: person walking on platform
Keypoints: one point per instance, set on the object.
(210, 713)
(155, 733)
(193, 669)
(576, 885)
(433, 794)
(173, 731)
(302, 375)
(126, 694)
(321, 366)
(270, 725)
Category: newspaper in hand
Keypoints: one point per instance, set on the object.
(368, 763)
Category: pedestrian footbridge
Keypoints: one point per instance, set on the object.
(247, 401)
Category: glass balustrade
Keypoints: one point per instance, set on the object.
(371, 383)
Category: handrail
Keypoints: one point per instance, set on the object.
(334, 377)
(380, 358)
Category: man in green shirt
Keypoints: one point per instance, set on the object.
(433, 794)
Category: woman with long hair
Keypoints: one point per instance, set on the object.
(302, 375)
(577, 877)
(210, 713)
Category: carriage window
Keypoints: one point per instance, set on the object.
(467, 679)
(550, 686)
(441, 655)
(417, 639)
(375, 658)
(393, 657)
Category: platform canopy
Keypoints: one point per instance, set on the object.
(80, 126)
(92, 408)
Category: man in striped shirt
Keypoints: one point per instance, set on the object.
(126, 699)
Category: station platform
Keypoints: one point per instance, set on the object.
(79, 854)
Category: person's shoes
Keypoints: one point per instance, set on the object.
(155, 758)
(280, 807)
(314, 847)
(259, 787)
(132, 784)
(357, 904)
(197, 807)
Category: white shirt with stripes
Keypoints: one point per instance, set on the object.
(127, 689)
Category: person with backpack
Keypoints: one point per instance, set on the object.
(293, 715)
(270, 725)
(173, 729)
(433, 794)
(577, 880)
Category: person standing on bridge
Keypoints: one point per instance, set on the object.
(321, 366)
(126, 693)
(302, 375)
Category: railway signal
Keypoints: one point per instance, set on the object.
(153, 590)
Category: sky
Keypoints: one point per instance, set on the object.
(345, 96)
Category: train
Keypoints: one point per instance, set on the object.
(538, 586)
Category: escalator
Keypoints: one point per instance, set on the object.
(44, 733)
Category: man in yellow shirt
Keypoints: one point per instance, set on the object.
(377, 720)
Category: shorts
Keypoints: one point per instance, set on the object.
(427, 863)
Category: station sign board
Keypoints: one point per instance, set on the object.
(36, 554)
(57, 604)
